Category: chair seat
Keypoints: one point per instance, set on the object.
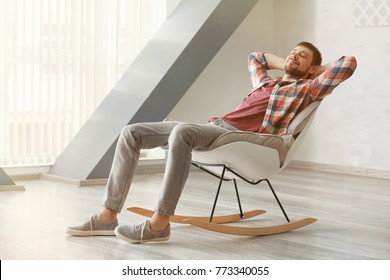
(235, 155)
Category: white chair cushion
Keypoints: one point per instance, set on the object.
(279, 143)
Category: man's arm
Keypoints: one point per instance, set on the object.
(275, 62)
(333, 74)
(258, 66)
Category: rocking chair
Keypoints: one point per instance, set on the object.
(254, 158)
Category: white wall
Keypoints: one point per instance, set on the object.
(353, 124)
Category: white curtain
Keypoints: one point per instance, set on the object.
(58, 60)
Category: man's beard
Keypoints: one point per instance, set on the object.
(295, 73)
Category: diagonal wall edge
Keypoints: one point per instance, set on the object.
(154, 83)
(7, 184)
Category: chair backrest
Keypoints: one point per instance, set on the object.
(299, 127)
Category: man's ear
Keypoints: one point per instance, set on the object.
(313, 71)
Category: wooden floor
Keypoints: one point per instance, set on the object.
(352, 212)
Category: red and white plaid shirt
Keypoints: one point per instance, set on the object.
(290, 97)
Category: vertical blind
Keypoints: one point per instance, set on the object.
(58, 60)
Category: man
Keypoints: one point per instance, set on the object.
(268, 108)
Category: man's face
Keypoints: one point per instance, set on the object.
(299, 63)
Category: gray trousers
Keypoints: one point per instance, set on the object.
(181, 139)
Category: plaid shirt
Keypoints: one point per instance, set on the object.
(290, 97)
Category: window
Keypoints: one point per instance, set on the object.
(58, 60)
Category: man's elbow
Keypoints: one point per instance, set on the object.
(350, 61)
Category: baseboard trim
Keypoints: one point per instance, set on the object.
(6, 188)
(70, 181)
(340, 169)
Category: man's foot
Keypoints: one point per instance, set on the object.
(93, 227)
(142, 233)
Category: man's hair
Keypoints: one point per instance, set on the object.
(317, 58)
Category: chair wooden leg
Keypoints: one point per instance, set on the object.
(216, 219)
(251, 231)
